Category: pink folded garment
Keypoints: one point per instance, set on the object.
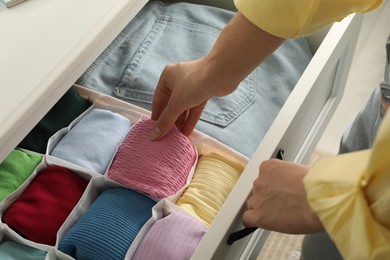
(159, 168)
(175, 236)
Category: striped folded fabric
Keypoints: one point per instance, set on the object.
(109, 226)
(213, 180)
(175, 236)
(157, 168)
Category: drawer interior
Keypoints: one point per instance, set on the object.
(80, 158)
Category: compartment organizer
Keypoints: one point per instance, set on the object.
(79, 199)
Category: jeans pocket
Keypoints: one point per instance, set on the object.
(172, 40)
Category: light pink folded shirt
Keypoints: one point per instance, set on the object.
(157, 168)
(175, 236)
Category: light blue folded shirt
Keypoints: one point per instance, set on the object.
(93, 141)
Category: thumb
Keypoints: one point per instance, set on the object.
(165, 122)
(249, 218)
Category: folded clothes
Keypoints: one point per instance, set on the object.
(157, 168)
(45, 204)
(70, 106)
(175, 236)
(109, 226)
(213, 180)
(10, 250)
(92, 142)
(15, 169)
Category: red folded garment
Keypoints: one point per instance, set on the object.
(43, 207)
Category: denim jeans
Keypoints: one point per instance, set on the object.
(359, 136)
(163, 33)
(319, 246)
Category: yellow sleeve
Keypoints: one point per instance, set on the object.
(351, 195)
(295, 18)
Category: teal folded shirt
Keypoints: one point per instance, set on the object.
(15, 169)
(109, 226)
(11, 250)
(70, 106)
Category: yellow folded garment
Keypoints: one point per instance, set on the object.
(214, 178)
(351, 195)
(291, 19)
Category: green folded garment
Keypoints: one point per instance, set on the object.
(15, 169)
(13, 250)
(70, 106)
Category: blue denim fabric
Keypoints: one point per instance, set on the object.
(162, 33)
(361, 133)
(359, 136)
(319, 246)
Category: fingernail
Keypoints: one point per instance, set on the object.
(156, 132)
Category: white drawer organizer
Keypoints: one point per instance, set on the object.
(48, 44)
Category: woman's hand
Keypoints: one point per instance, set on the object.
(180, 97)
(184, 88)
(279, 201)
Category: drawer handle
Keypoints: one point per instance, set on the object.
(249, 230)
(280, 154)
(240, 234)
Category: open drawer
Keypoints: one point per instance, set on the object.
(88, 149)
(296, 129)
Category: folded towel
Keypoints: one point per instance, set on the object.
(213, 180)
(110, 225)
(70, 106)
(158, 168)
(45, 204)
(175, 236)
(15, 169)
(92, 142)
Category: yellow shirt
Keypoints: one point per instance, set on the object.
(351, 195)
(295, 18)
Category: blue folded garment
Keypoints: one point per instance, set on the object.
(92, 142)
(110, 225)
